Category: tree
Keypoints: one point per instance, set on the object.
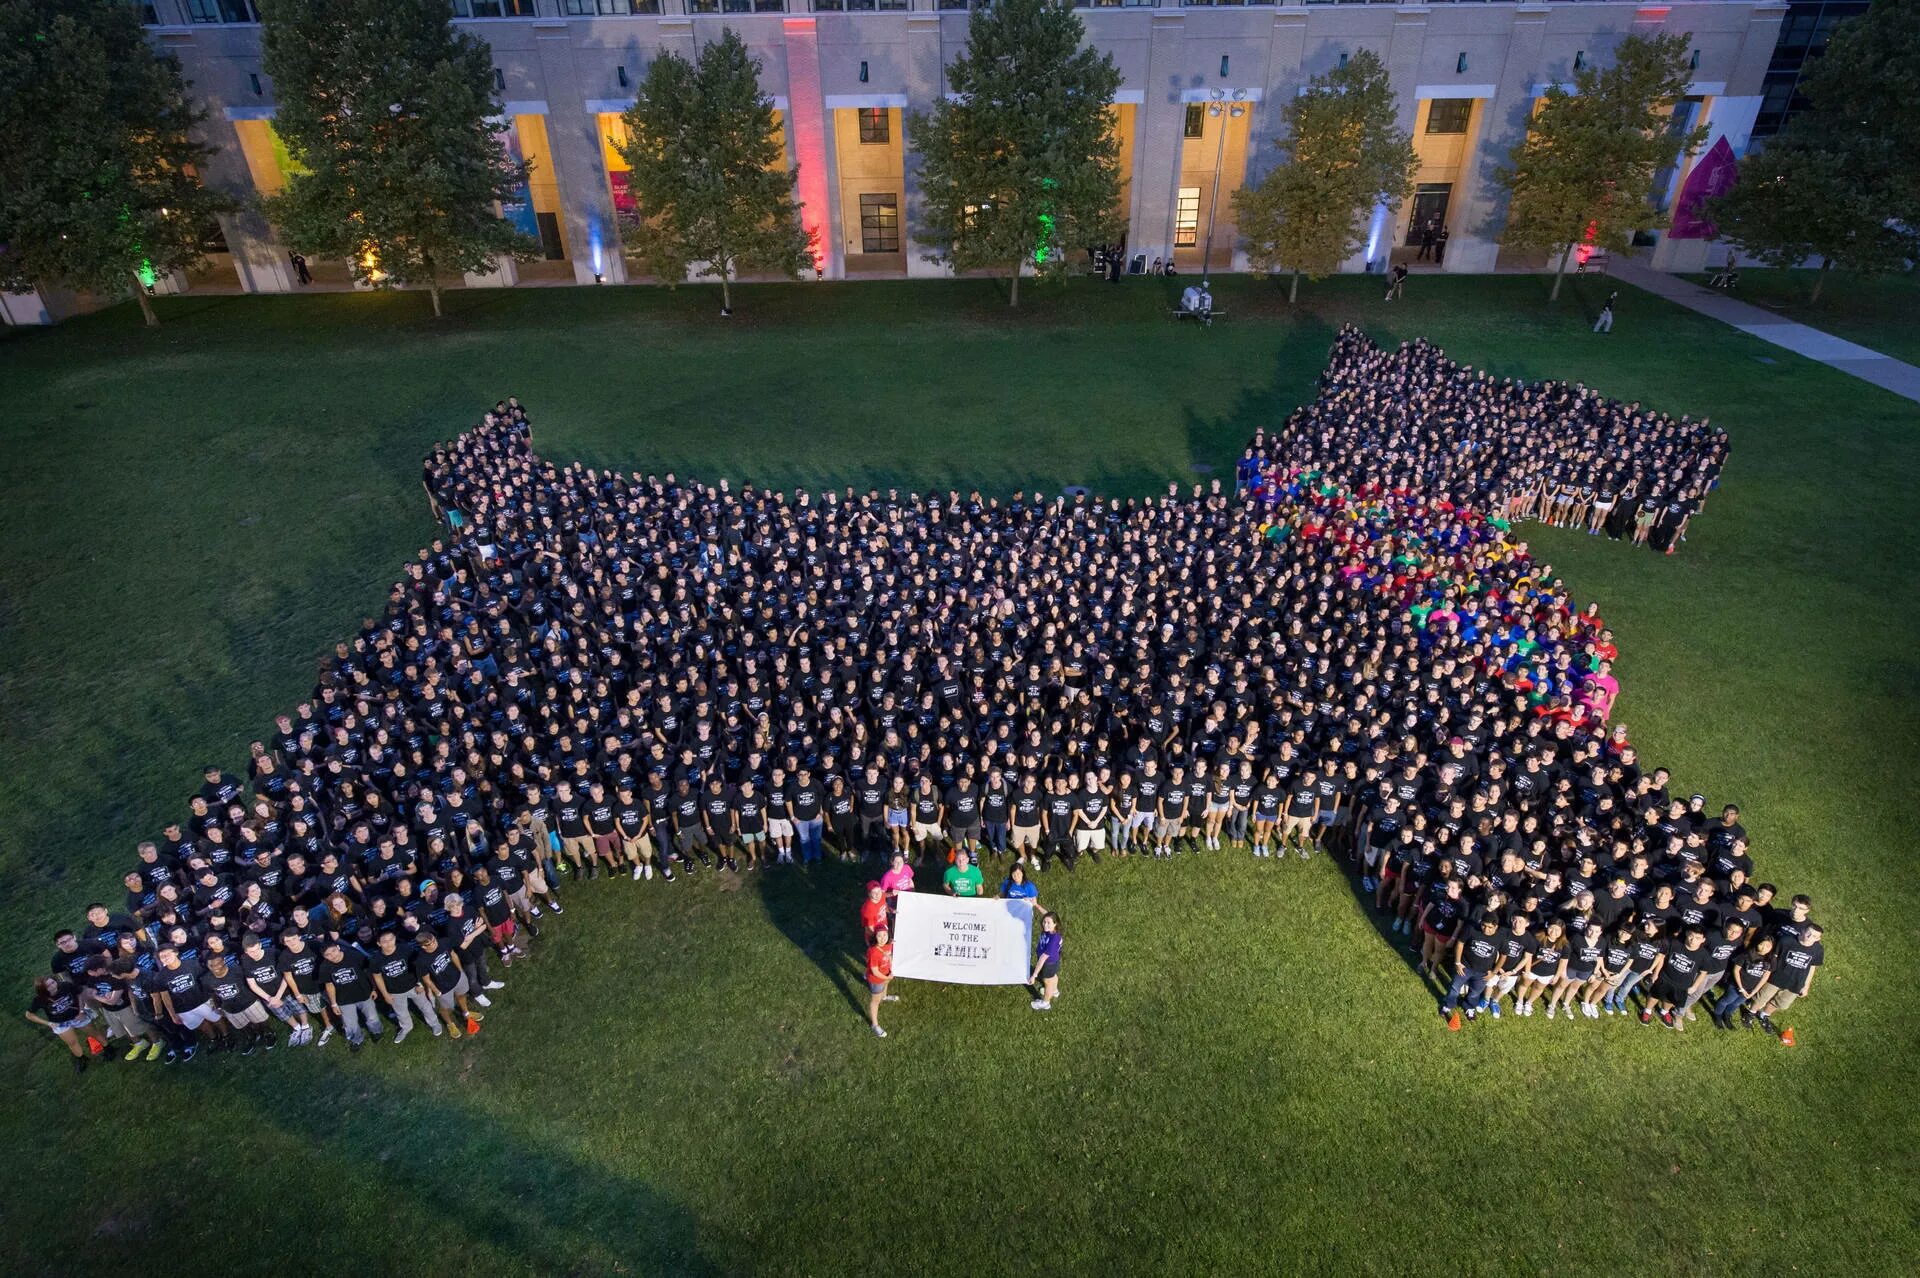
(398, 161)
(1585, 171)
(1842, 180)
(709, 189)
(1019, 164)
(1346, 155)
(99, 186)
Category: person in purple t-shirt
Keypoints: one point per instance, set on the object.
(1046, 964)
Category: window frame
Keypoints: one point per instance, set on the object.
(876, 226)
(1194, 127)
(1186, 217)
(1462, 106)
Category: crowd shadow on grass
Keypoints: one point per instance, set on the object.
(430, 1155)
(817, 908)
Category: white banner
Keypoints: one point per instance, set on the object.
(968, 940)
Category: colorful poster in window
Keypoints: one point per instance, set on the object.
(1713, 176)
(518, 211)
(622, 195)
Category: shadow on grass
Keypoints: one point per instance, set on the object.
(428, 1154)
(817, 908)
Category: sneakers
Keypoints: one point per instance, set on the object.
(649, 870)
(133, 1053)
(401, 1035)
(555, 907)
(636, 874)
(890, 998)
(355, 1044)
(326, 1032)
(1551, 1011)
(483, 1000)
(453, 1031)
(153, 1054)
(1666, 1018)
(493, 985)
(1646, 1015)
(879, 1032)
(1041, 1005)
(1493, 1010)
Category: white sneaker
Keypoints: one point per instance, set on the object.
(636, 874)
(878, 1032)
(483, 1000)
(1551, 1010)
(326, 1032)
(890, 998)
(649, 869)
(495, 985)
(1040, 1005)
(401, 1036)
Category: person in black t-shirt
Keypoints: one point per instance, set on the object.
(1791, 977)
(348, 979)
(397, 977)
(56, 1006)
(1474, 955)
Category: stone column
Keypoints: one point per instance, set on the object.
(1503, 118)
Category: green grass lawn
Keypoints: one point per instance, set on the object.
(1881, 312)
(1243, 1075)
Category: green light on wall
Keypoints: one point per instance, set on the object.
(146, 275)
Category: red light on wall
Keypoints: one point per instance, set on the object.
(807, 117)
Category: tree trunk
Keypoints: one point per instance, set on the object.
(726, 290)
(433, 292)
(1293, 288)
(1819, 281)
(1561, 272)
(1013, 294)
(146, 303)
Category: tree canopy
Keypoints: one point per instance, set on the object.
(711, 191)
(1345, 155)
(399, 161)
(1841, 181)
(99, 183)
(1019, 164)
(1585, 172)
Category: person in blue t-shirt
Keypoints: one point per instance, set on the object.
(1016, 887)
(1046, 964)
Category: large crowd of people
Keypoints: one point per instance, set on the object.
(642, 677)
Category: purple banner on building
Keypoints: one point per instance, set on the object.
(1713, 176)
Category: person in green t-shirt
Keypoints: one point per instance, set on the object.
(962, 878)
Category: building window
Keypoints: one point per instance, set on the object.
(1449, 115)
(495, 9)
(736, 6)
(1186, 218)
(221, 11)
(880, 223)
(148, 14)
(1196, 120)
(873, 125)
(608, 8)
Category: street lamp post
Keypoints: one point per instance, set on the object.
(1231, 108)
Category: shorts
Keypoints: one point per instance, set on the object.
(537, 884)
(780, 828)
(876, 987)
(896, 818)
(638, 848)
(314, 1003)
(1219, 809)
(194, 1017)
(1165, 829)
(79, 1022)
(449, 996)
(1049, 971)
(124, 1021)
(1090, 839)
(1668, 991)
(1026, 836)
(286, 1009)
(749, 839)
(502, 933)
(964, 833)
(923, 832)
(579, 847)
(1140, 820)
(251, 1014)
(520, 901)
(688, 840)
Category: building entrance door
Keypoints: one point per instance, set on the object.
(1429, 208)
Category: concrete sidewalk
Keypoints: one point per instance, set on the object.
(1849, 357)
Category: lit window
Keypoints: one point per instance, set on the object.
(880, 223)
(1449, 115)
(1186, 218)
(873, 125)
(1196, 120)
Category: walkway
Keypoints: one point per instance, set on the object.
(1849, 357)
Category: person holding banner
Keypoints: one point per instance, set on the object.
(1017, 887)
(879, 972)
(1046, 965)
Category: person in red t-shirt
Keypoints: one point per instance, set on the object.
(873, 911)
(879, 972)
